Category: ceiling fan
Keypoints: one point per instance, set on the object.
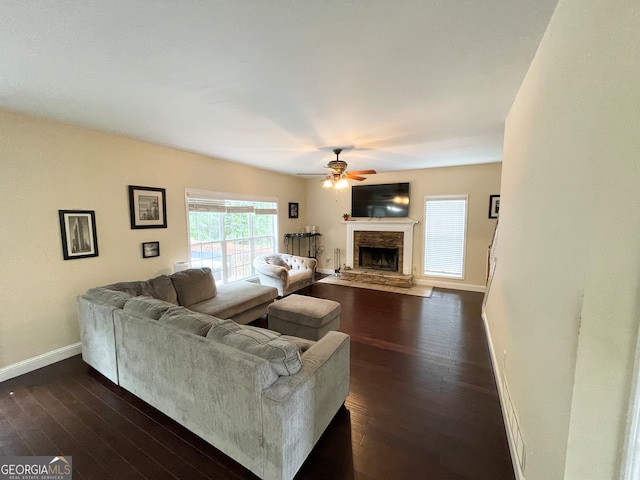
(338, 175)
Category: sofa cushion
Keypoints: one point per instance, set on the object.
(194, 285)
(264, 331)
(283, 355)
(134, 289)
(277, 261)
(229, 326)
(110, 297)
(184, 319)
(147, 306)
(302, 343)
(162, 288)
(234, 298)
(159, 287)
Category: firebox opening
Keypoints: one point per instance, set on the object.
(378, 258)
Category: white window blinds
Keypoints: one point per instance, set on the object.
(445, 235)
(200, 203)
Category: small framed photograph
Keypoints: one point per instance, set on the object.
(293, 210)
(148, 207)
(494, 206)
(78, 230)
(150, 249)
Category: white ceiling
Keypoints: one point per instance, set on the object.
(279, 83)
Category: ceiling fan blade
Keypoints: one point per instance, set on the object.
(363, 172)
(355, 177)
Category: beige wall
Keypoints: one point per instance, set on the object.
(563, 304)
(46, 166)
(324, 208)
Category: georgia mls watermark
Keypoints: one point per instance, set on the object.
(35, 468)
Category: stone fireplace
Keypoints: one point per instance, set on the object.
(379, 252)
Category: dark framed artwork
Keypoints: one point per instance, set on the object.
(293, 210)
(494, 206)
(150, 249)
(78, 230)
(147, 207)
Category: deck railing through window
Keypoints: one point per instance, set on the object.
(227, 232)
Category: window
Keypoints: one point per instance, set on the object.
(228, 231)
(445, 235)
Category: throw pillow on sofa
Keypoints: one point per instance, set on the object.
(277, 261)
(194, 285)
(184, 319)
(283, 355)
(147, 306)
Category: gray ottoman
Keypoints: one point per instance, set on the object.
(305, 317)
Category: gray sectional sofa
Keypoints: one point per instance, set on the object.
(260, 397)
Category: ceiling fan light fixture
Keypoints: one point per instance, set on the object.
(338, 177)
(341, 184)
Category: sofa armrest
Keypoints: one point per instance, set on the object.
(273, 271)
(297, 409)
(97, 336)
(322, 352)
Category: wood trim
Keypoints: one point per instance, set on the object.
(631, 453)
(39, 361)
(503, 405)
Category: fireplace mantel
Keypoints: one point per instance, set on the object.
(404, 226)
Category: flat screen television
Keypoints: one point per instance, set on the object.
(384, 200)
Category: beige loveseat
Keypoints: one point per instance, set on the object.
(285, 272)
(261, 398)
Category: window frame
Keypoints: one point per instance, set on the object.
(251, 239)
(437, 274)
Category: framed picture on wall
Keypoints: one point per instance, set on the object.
(147, 207)
(494, 206)
(150, 249)
(293, 210)
(78, 230)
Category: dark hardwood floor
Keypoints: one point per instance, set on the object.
(423, 405)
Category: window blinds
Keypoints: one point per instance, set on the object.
(223, 204)
(445, 235)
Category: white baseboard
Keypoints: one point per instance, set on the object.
(501, 388)
(452, 285)
(326, 271)
(34, 363)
